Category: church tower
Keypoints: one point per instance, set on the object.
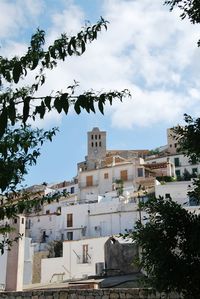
(96, 144)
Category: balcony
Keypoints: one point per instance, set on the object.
(95, 183)
(128, 179)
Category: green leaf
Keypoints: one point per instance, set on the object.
(101, 107)
(12, 112)
(26, 109)
(58, 104)
(77, 107)
(3, 121)
(83, 46)
(64, 102)
(17, 71)
(47, 102)
(34, 63)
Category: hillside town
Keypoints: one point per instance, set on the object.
(80, 236)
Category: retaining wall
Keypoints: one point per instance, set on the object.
(88, 294)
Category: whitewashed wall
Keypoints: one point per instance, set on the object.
(177, 190)
(71, 263)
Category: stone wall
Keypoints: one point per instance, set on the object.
(88, 294)
(36, 274)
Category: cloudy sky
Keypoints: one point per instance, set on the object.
(146, 49)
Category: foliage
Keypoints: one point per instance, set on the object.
(189, 8)
(165, 178)
(154, 151)
(20, 103)
(194, 195)
(119, 187)
(189, 138)
(170, 251)
(55, 249)
(38, 59)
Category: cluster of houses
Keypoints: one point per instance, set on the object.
(79, 236)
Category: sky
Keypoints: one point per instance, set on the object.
(146, 49)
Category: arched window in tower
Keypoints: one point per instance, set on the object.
(92, 144)
(96, 137)
(99, 143)
(96, 144)
(92, 137)
(99, 136)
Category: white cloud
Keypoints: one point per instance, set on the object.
(146, 48)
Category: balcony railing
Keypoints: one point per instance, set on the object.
(88, 185)
(128, 179)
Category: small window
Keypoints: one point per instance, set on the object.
(15, 220)
(69, 220)
(22, 220)
(69, 236)
(170, 145)
(99, 136)
(100, 143)
(92, 144)
(140, 172)
(124, 175)
(58, 210)
(96, 137)
(106, 175)
(92, 137)
(96, 144)
(85, 253)
(176, 162)
(89, 180)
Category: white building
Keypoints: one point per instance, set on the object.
(80, 259)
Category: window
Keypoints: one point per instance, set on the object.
(100, 143)
(99, 136)
(175, 145)
(96, 144)
(106, 175)
(92, 144)
(89, 180)
(167, 195)
(170, 145)
(96, 137)
(124, 175)
(140, 172)
(92, 137)
(58, 210)
(178, 173)
(15, 220)
(22, 220)
(85, 253)
(69, 220)
(176, 162)
(72, 190)
(69, 236)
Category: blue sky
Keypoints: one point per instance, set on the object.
(146, 49)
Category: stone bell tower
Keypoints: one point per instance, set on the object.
(96, 144)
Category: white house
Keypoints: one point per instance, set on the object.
(80, 259)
